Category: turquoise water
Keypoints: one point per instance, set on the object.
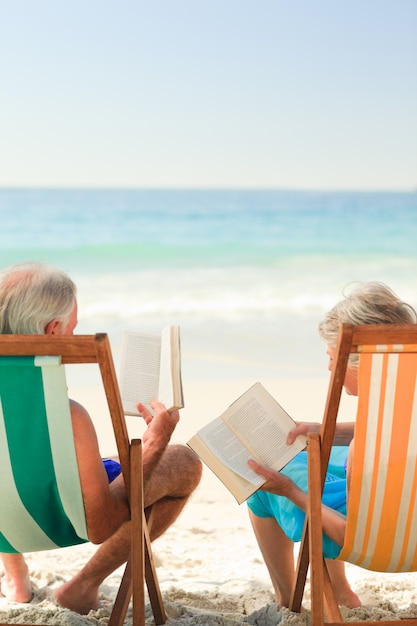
(246, 274)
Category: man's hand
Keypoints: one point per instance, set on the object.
(156, 437)
(161, 424)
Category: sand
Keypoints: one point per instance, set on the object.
(208, 563)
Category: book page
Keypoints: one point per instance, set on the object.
(263, 426)
(139, 377)
(238, 486)
(229, 450)
(170, 384)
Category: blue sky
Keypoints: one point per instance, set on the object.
(304, 94)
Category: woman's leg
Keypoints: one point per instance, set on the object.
(345, 596)
(278, 553)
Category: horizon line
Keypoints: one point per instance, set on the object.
(223, 188)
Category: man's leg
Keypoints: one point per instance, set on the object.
(15, 584)
(167, 491)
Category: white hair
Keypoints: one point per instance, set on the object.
(369, 303)
(32, 295)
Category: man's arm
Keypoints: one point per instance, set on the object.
(106, 506)
(157, 436)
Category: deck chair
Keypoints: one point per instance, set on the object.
(40, 494)
(381, 531)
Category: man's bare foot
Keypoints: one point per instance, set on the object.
(70, 596)
(19, 590)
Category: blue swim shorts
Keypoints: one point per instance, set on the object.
(288, 515)
(113, 469)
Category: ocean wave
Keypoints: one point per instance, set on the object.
(306, 289)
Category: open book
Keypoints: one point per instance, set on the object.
(255, 427)
(151, 370)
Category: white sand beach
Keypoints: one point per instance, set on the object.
(209, 566)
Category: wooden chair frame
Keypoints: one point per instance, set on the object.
(140, 567)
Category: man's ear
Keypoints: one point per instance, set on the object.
(52, 327)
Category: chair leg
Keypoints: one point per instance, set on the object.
(138, 529)
(331, 606)
(152, 583)
(140, 567)
(315, 532)
(301, 573)
(124, 594)
(151, 577)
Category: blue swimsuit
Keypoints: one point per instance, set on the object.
(288, 515)
(112, 468)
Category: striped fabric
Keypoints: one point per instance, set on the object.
(40, 493)
(381, 531)
(409, 347)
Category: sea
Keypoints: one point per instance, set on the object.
(246, 274)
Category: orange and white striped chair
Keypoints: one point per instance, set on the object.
(381, 525)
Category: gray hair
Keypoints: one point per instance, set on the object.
(32, 295)
(369, 303)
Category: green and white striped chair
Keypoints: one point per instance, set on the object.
(40, 493)
(39, 482)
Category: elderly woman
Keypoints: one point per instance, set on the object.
(277, 510)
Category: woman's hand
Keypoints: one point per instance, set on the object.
(302, 428)
(275, 482)
(343, 434)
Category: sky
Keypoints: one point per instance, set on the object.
(292, 94)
